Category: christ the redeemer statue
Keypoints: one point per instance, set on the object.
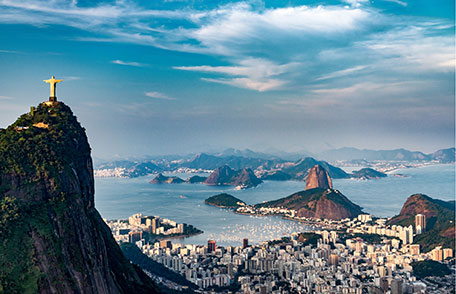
(52, 81)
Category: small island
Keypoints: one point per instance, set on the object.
(225, 176)
(161, 179)
(367, 174)
(196, 179)
(225, 201)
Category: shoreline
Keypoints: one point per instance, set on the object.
(307, 222)
(219, 206)
(183, 236)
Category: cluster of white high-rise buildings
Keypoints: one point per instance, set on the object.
(132, 230)
(345, 260)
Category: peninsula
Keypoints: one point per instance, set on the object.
(318, 201)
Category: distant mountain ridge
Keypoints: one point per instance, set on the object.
(300, 169)
(211, 162)
(350, 153)
(266, 166)
(247, 153)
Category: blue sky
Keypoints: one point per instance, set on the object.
(161, 77)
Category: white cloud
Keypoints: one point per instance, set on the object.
(252, 73)
(413, 49)
(380, 99)
(214, 30)
(230, 29)
(129, 63)
(5, 97)
(341, 73)
(158, 95)
(247, 83)
(70, 78)
(356, 3)
(10, 51)
(402, 3)
(273, 40)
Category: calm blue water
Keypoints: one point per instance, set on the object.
(385, 197)
(117, 198)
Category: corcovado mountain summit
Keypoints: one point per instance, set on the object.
(52, 239)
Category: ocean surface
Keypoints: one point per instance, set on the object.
(118, 198)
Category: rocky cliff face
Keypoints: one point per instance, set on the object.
(416, 204)
(226, 176)
(318, 203)
(318, 178)
(52, 239)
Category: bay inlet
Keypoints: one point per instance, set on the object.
(118, 198)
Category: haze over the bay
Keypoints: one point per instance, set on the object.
(163, 77)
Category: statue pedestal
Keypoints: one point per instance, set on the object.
(50, 103)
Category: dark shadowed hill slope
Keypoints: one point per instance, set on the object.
(276, 176)
(440, 220)
(161, 179)
(225, 201)
(368, 173)
(444, 155)
(317, 203)
(196, 179)
(133, 253)
(226, 176)
(52, 239)
(300, 169)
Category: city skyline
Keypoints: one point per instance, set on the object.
(181, 77)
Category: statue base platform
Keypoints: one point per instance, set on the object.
(50, 103)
